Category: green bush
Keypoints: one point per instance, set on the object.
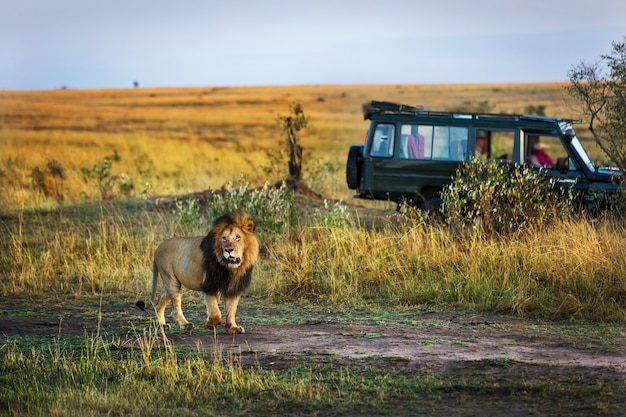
(501, 198)
(274, 209)
(110, 186)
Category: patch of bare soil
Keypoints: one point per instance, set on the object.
(407, 340)
(504, 349)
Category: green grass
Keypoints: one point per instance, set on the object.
(106, 377)
(134, 370)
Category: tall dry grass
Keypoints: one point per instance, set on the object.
(568, 269)
(565, 269)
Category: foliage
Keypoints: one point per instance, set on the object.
(49, 179)
(111, 186)
(189, 216)
(539, 109)
(469, 106)
(274, 209)
(601, 88)
(335, 214)
(500, 198)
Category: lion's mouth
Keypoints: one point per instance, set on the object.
(233, 262)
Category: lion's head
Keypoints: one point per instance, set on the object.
(235, 244)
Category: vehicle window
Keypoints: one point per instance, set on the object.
(412, 142)
(383, 140)
(427, 131)
(502, 145)
(449, 143)
(545, 151)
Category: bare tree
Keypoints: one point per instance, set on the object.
(291, 125)
(601, 88)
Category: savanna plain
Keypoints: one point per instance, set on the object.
(355, 309)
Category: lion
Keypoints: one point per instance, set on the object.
(220, 263)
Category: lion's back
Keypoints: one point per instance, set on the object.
(181, 257)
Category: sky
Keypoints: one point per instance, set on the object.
(49, 44)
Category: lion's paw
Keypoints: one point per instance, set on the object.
(212, 323)
(165, 327)
(188, 326)
(236, 330)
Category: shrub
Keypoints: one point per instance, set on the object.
(49, 180)
(501, 198)
(331, 215)
(273, 208)
(109, 185)
(539, 109)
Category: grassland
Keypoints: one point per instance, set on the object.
(174, 141)
(87, 179)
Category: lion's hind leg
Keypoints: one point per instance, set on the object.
(171, 293)
(164, 300)
(177, 313)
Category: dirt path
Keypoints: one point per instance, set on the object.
(406, 347)
(285, 336)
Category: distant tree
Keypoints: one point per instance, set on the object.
(601, 88)
(473, 107)
(291, 125)
(136, 84)
(539, 109)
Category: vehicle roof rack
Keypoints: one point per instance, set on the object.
(387, 106)
(375, 107)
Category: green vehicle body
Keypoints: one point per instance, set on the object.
(410, 153)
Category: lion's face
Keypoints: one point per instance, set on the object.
(232, 243)
(235, 245)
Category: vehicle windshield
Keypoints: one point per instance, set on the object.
(577, 146)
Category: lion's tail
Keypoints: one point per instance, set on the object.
(155, 278)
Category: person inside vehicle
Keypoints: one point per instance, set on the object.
(482, 145)
(539, 157)
(415, 144)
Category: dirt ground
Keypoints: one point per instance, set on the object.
(281, 336)
(278, 337)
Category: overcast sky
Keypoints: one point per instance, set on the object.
(46, 44)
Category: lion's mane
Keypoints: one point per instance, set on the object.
(219, 278)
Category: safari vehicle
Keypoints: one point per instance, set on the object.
(410, 153)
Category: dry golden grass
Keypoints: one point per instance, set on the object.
(568, 269)
(180, 140)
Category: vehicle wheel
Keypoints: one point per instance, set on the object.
(353, 167)
(432, 204)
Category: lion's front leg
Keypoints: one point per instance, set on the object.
(214, 317)
(230, 304)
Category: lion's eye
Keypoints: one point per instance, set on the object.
(224, 239)
(237, 237)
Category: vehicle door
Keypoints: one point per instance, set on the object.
(545, 150)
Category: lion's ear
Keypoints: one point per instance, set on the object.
(250, 226)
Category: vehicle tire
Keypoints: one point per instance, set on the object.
(353, 167)
(432, 204)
